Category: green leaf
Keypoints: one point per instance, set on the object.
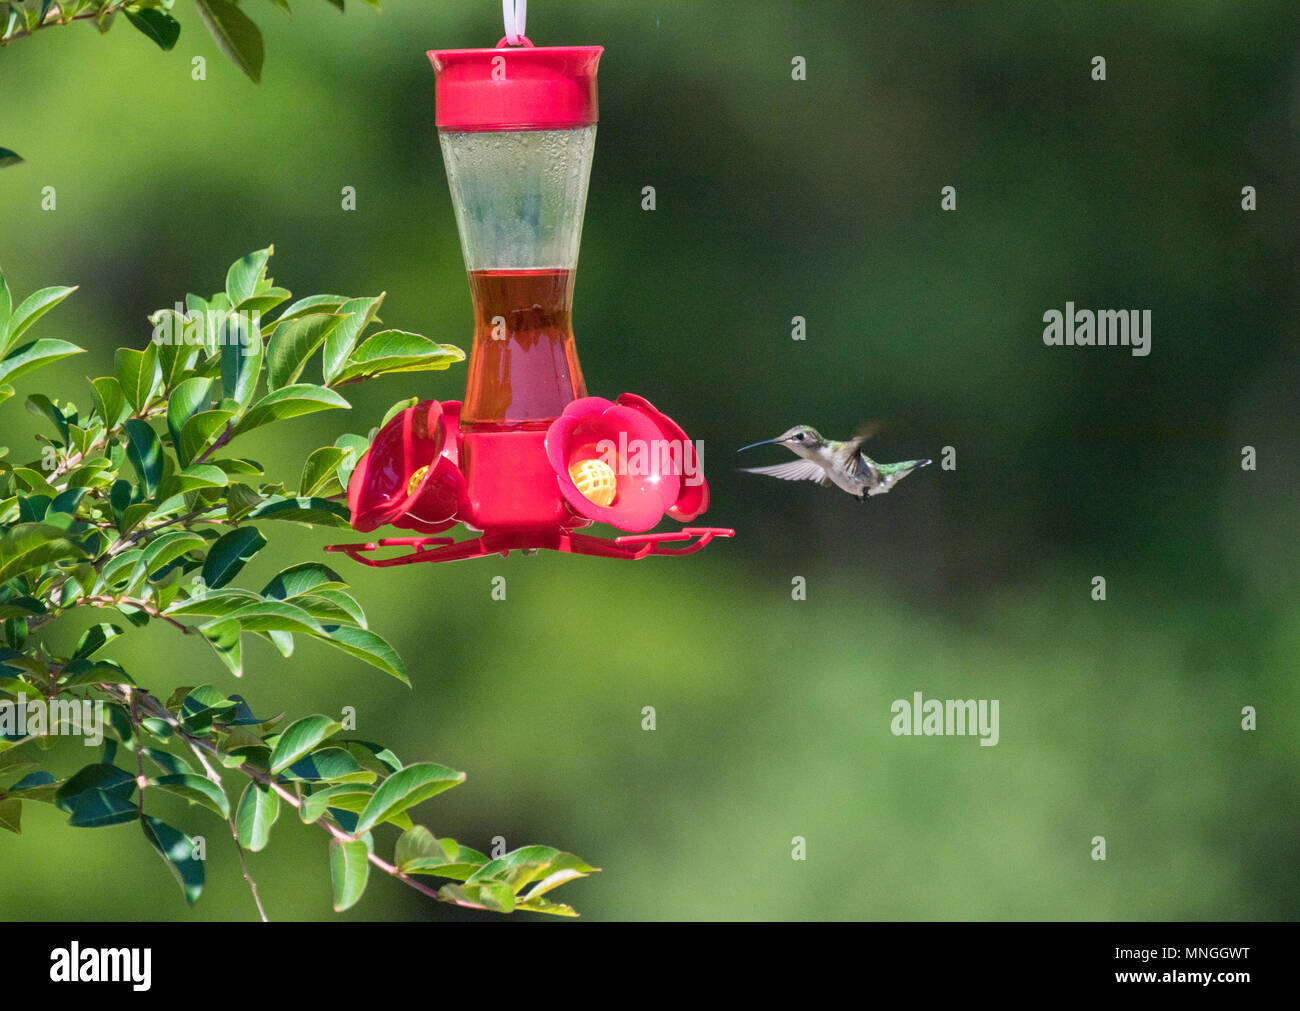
(349, 870)
(259, 807)
(240, 501)
(289, 402)
(21, 607)
(330, 765)
(241, 361)
(166, 548)
(80, 672)
(247, 273)
(159, 26)
(165, 760)
(8, 157)
(293, 344)
(26, 546)
(134, 514)
(405, 789)
(418, 843)
(310, 304)
(236, 467)
(139, 373)
(120, 571)
(303, 510)
(397, 351)
(229, 554)
(110, 401)
(34, 481)
(11, 808)
(177, 338)
(195, 789)
(546, 865)
(441, 867)
(264, 301)
(235, 35)
(177, 851)
(35, 355)
(200, 432)
(94, 639)
(204, 705)
(331, 608)
(353, 446)
(491, 895)
(301, 578)
(201, 475)
(184, 402)
(539, 905)
(218, 605)
(299, 738)
(374, 650)
(342, 796)
(396, 409)
(40, 404)
(225, 639)
(272, 616)
(359, 313)
(373, 756)
(67, 502)
(98, 795)
(145, 453)
(29, 310)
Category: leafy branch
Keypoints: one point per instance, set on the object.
(139, 506)
(234, 32)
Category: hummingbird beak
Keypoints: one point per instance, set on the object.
(765, 442)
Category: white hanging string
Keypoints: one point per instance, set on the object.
(515, 14)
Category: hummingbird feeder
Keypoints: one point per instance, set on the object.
(528, 458)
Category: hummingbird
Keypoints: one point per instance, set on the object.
(834, 463)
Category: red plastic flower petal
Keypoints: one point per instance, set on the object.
(409, 476)
(627, 440)
(693, 498)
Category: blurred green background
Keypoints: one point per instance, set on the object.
(775, 198)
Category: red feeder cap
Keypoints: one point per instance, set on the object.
(518, 88)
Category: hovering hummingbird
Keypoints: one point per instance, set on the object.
(834, 463)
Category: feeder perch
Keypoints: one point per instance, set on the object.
(527, 459)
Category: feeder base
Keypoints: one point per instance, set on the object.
(446, 549)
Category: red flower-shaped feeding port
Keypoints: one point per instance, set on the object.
(625, 463)
(409, 476)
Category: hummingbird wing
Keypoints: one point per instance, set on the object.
(865, 431)
(795, 470)
(858, 463)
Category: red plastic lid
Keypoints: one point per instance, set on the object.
(516, 88)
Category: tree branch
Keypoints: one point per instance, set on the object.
(102, 600)
(198, 745)
(58, 19)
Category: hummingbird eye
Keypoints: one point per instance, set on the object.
(799, 436)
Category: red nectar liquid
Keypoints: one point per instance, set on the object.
(523, 365)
